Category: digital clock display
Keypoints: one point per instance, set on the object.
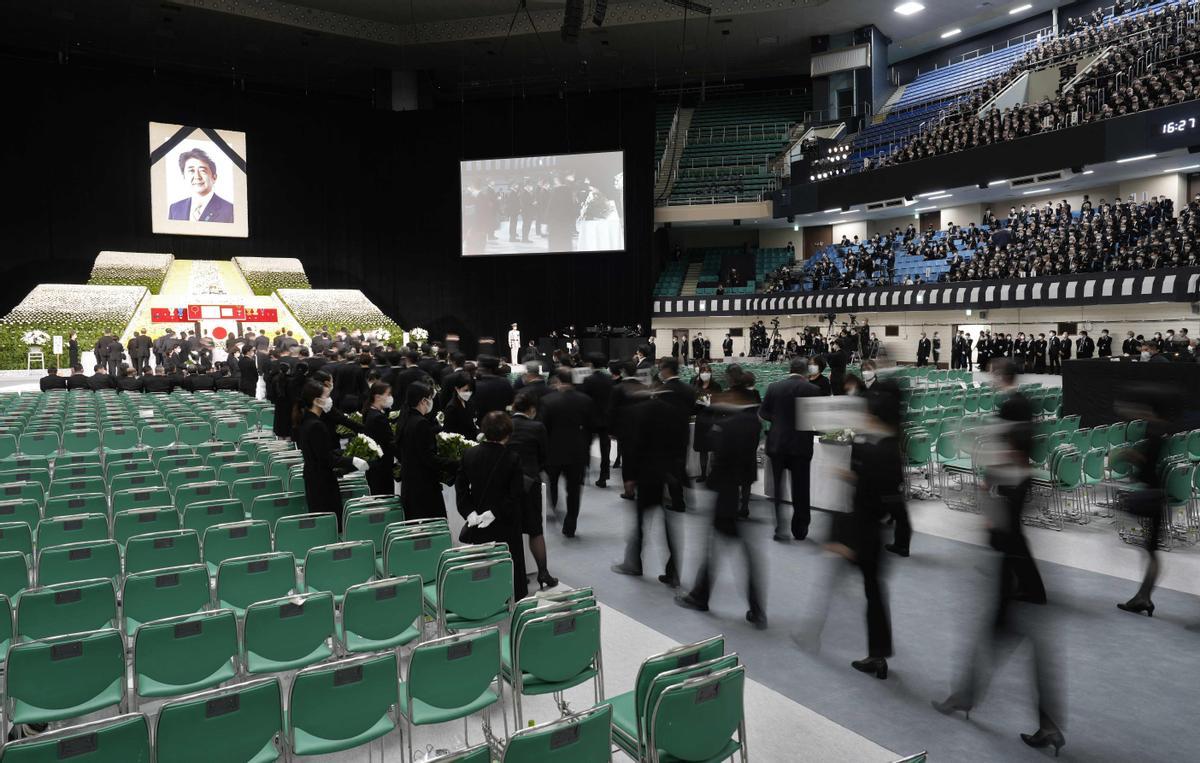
(1179, 125)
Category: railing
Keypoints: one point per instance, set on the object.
(970, 55)
(863, 109)
(666, 146)
(728, 133)
(720, 198)
(743, 160)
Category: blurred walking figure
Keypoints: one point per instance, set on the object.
(789, 450)
(1007, 481)
(733, 439)
(1156, 406)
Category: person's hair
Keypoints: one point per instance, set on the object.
(884, 403)
(377, 388)
(458, 380)
(97, 368)
(563, 375)
(628, 369)
(52, 371)
(458, 359)
(416, 392)
(496, 426)
(308, 394)
(868, 364)
(644, 349)
(799, 365)
(533, 367)
(669, 364)
(526, 400)
(1004, 369)
(199, 155)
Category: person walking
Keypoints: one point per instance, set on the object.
(788, 449)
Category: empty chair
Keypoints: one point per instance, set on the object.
(450, 678)
(39, 443)
(16, 536)
(23, 490)
(81, 440)
(217, 459)
(84, 560)
(167, 460)
(194, 433)
(583, 737)
(200, 492)
(297, 534)
(158, 435)
(15, 574)
(272, 505)
(697, 716)
(56, 610)
(187, 475)
(119, 438)
(342, 705)
(474, 594)
(64, 677)
(40, 475)
(240, 470)
(167, 548)
(140, 498)
(201, 515)
(245, 580)
(76, 503)
(338, 566)
(184, 654)
(288, 633)
(134, 480)
(370, 523)
(226, 541)
(241, 723)
(124, 739)
(141, 521)
(380, 615)
(414, 553)
(21, 510)
(553, 651)
(162, 593)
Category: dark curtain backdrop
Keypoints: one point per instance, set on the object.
(364, 198)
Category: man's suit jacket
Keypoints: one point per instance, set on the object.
(53, 382)
(531, 443)
(101, 381)
(217, 210)
(130, 383)
(492, 393)
(683, 395)
(1085, 347)
(78, 381)
(598, 385)
(568, 416)
(156, 384)
(779, 408)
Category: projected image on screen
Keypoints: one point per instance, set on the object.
(543, 204)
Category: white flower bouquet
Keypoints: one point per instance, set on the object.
(345, 431)
(206, 279)
(451, 447)
(131, 269)
(35, 338)
(361, 446)
(418, 335)
(267, 274)
(381, 335)
(838, 436)
(335, 308)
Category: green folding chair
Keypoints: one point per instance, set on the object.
(16, 491)
(219, 458)
(177, 457)
(475, 594)
(273, 505)
(343, 705)
(134, 480)
(127, 524)
(81, 441)
(381, 615)
(139, 498)
(163, 593)
(84, 560)
(64, 677)
(77, 486)
(701, 717)
(451, 678)
(39, 475)
(583, 737)
(177, 478)
(158, 550)
(71, 529)
(16, 536)
(201, 515)
(337, 566)
(233, 472)
(243, 722)
(119, 438)
(56, 610)
(288, 633)
(184, 654)
(76, 503)
(370, 523)
(39, 443)
(552, 652)
(415, 553)
(15, 574)
(21, 510)
(158, 435)
(123, 739)
(194, 433)
(244, 580)
(233, 539)
(301, 532)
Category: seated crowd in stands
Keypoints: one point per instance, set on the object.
(1031, 242)
(1152, 63)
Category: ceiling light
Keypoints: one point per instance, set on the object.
(1136, 158)
(845, 211)
(1035, 190)
(996, 182)
(951, 33)
(1184, 169)
(1020, 9)
(795, 227)
(931, 193)
(908, 9)
(941, 196)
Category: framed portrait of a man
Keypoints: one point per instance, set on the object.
(198, 181)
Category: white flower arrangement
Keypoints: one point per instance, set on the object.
(314, 308)
(206, 278)
(418, 335)
(59, 309)
(131, 269)
(267, 274)
(361, 446)
(381, 335)
(35, 338)
(840, 436)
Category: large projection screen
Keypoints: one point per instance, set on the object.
(543, 204)
(198, 181)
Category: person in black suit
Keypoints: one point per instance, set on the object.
(322, 458)
(139, 352)
(408, 373)
(734, 441)
(655, 440)
(684, 396)
(598, 385)
(789, 449)
(378, 427)
(1104, 345)
(73, 349)
(727, 346)
(129, 381)
(837, 360)
(698, 348)
(78, 379)
(489, 494)
(157, 381)
(625, 394)
(458, 416)
(531, 444)
(924, 347)
(1064, 348)
(421, 467)
(641, 358)
(492, 392)
(1129, 347)
(706, 389)
(200, 380)
(52, 380)
(116, 356)
(568, 415)
(247, 374)
(1054, 353)
(1085, 347)
(101, 379)
(222, 379)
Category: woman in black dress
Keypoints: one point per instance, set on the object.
(73, 349)
(379, 429)
(706, 387)
(417, 451)
(321, 454)
(459, 413)
(490, 494)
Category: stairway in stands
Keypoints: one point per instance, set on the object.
(674, 149)
(691, 279)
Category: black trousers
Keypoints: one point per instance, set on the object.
(605, 442)
(879, 621)
(724, 535)
(649, 497)
(574, 475)
(677, 480)
(798, 467)
(903, 537)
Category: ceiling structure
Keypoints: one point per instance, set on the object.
(483, 45)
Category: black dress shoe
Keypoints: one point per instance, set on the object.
(800, 536)
(628, 497)
(568, 534)
(782, 538)
(758, 619)
(686, 601)
(668, 580)
(896, 549)
(601, 483)
(621, 569)
(951, 706)
(876, 665)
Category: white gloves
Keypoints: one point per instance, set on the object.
(360, 464)
(480, 520)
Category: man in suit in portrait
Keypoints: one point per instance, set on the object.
(204, 205)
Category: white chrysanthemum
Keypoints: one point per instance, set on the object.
(35, 337)
(335, 307)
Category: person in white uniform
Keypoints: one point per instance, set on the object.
(514, 343)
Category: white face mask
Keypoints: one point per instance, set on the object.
(705, 376)
(814, 370)
(465, 395)
(324, 403)
(387, 401)
(1145, 355)
(868, 376)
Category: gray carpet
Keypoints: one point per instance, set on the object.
(1131, 691)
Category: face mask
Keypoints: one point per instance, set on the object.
(465, 395)
(324, 403)
(814, 370)
(868, 376)
(1145, 355)
(705, 376)
(852, 392)
(387, 401)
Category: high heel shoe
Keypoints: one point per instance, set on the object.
(1045, 738)
(951, 706)
(1137, 607)
(546, 580)
(876, 665)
